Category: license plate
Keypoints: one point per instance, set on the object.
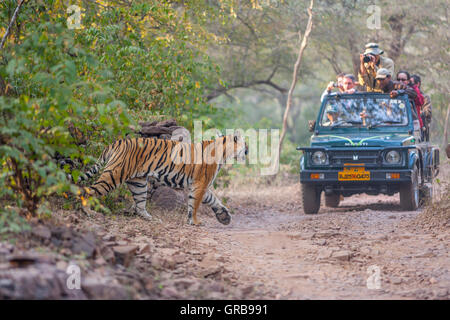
(354, 174)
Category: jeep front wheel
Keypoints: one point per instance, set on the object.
(310, 199)
(409, 193)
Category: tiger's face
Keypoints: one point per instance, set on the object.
(236, 147)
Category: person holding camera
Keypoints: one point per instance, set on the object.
(385, 84)
(344, 84)
(370, 62)
(349, 84)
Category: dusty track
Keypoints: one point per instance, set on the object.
(272, 250)
(328, 256)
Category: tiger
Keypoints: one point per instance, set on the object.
(192, 166)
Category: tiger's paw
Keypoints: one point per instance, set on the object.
(144, 215)
(194, 223)
(223, 216)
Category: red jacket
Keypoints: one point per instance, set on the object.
(419, 101)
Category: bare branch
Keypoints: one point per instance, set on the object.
(223, 90)
(248, 26)
(13, 19)
(295, 73)
(446, 124)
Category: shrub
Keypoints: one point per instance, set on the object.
(55, 90)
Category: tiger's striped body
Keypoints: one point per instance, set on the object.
(171, 163)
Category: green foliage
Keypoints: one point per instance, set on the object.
(129, 61)
(10, 221)
(49, 72)
(143, 60)
(291, 156)
(155, 54)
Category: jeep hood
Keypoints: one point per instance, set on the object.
(361, 140)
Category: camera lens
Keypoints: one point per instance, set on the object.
(367, 58)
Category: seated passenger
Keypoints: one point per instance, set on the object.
(332, 115)
(338, 85)
(414, 84)
(370, 62)
(349, 84)
(404, 77)
(425, 109)
(386, 85)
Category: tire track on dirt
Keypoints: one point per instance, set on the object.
(289, 255)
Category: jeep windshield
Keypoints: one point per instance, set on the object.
(362, 111)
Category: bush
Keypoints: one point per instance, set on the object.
(54, 91)
(141, 56)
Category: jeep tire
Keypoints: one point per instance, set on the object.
(409, 192)
(332, 200)
(310, 199)
(426, 194)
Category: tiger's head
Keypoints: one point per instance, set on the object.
(234, 146)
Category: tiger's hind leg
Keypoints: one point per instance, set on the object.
(153, 184)
(196, 193)
(138, 188)
(222, 213)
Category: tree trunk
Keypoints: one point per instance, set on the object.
(295, 74)
(446, 126)
(282, 99)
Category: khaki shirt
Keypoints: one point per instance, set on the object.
(367, 81)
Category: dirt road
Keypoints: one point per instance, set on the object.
(337, 254)
(365, 249)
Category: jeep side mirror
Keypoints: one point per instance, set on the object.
(311, 125)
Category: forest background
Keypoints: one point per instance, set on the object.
(103, 66)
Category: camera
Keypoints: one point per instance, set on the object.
(367, 57)
(335, 84)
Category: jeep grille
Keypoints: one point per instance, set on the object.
(341, 157)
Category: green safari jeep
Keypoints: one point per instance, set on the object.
(367, 143)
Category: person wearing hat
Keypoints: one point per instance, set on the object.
(332, 114)
(370, 61)
(385, 84)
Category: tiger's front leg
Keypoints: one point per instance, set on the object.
(196, 194)
(222, 213)
(138, 188)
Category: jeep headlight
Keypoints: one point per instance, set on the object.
(393, 157)
(319, 158)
